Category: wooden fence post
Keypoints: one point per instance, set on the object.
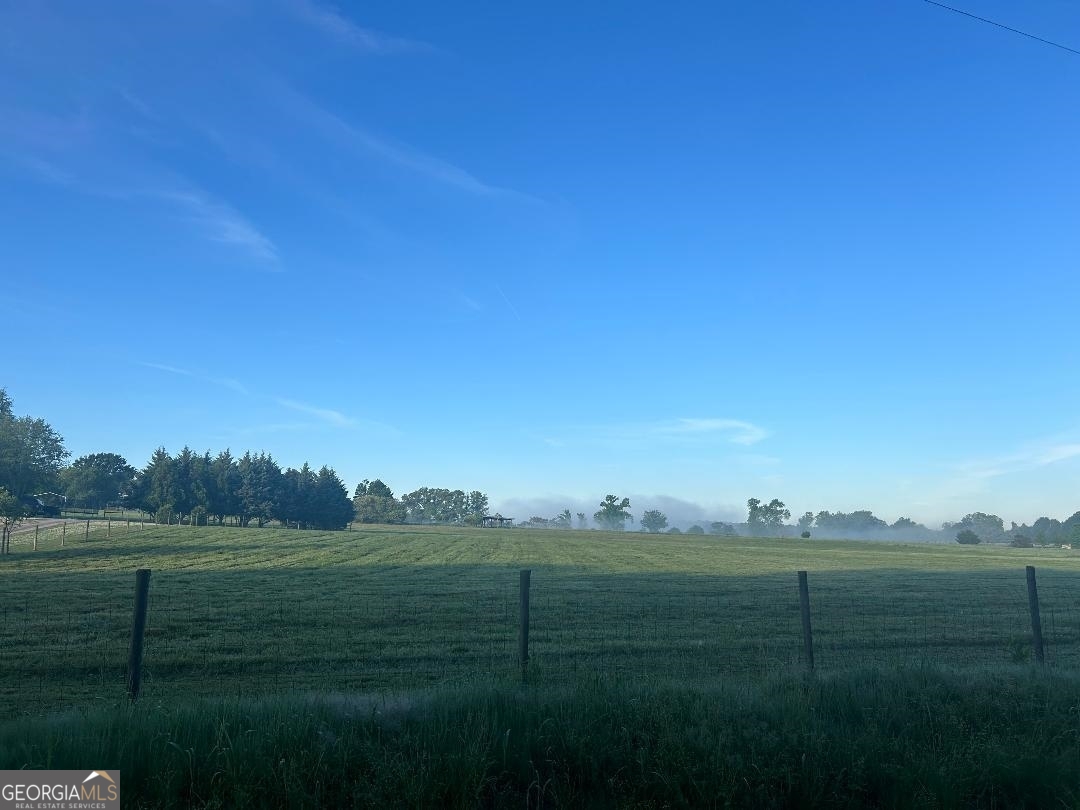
(108, 528)
(523, 625)
(138, 626)
(87, 535)
(807, 634)
(1036, 619)
(63, 534)
(36, 527)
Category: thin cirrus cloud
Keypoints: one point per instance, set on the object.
(695, 430)
(350, 136)
(1030, 457)
(225, 382)
(735, 431)
(331, 22)
(72, 151)
(221, 223)
(327, 415)
(216, 219)
(977, 476)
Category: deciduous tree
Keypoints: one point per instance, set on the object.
(31, 452)
(97, 479)
(653, 521)
(767, 518)
(613, 513)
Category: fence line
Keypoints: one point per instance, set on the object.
(206, 634)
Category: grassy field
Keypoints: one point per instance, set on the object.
(242, 612)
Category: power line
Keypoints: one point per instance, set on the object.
(1007, 28)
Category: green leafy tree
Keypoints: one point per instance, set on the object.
(695, 529)
(582, 521)
(653, 521)
(31, 452)
(766, 518)
(613, 513)
(806, 522)
(722, 529)
(476, 506)
(860, 521)
(967, 537)
(374, 502)
(563, 520)
(95, 480)
(989, 527)
(428, 505)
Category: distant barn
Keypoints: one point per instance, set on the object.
(496, 522)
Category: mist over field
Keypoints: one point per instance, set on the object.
(677, 510)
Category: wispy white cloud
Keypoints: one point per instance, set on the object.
(1056, 453)
(218, 220)
(1029, 458)
(327, 415)
(973, 475)
(470, 303)
(352, 136)
(221, 222)
(137, 104)
(735, 431)
(683, 432)
(226, 382)
(330, 21)
(40, 168)
(274, 427)
(171, 369)
(508, 302)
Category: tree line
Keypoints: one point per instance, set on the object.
(250, 489)
(253, 489)
(374, 502)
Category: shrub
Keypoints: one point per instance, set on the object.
(164, 514)
(674, 530)
(695, 530)
(1021, 541)
(967, 538)
(805, 535)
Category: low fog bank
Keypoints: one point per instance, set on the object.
(772, 520)
(680, 513)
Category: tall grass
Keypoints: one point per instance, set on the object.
(993, 737)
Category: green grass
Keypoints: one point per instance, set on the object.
(243, 612)
(1000, 737)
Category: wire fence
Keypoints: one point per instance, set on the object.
(65, 642)
(52, 534)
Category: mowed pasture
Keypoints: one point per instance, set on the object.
(243, 612)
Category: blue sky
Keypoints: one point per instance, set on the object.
(824, 252)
